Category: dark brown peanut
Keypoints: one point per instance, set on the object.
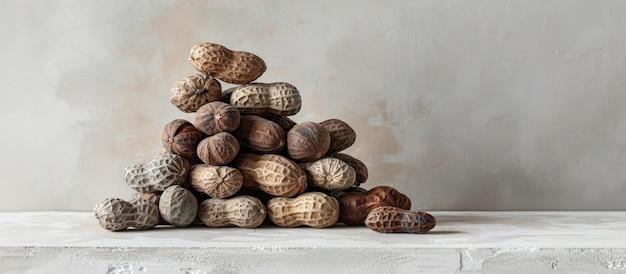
(182, 138)
(389, 219)
(260, 135)
(356, 205)
(342, 136)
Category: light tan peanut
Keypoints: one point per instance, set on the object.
(192, 92)
(314, 209)
(342, 136)
(279, 98)
(235, 67)
(356, 205)
(307, 141)
(163, 171)
(182, 138)
(242, 211)
(389, 219)
(361, 169)
(218, 149)
(216, 181)
(273, 174)
(116, 214)
(216, 117)
(329, 173)
(260, 135)
(152, 197)
(178, 206)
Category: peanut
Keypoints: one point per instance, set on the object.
(178, 206)
(216, 181)
(182, 138)
(360, 168)
(307, 141)
(273, 174)
(389, 219)
(255, 98)
(242, 211)
(191, 92)
(356, 205)
(163, 171)
(342, 136)
(234, 67)
(260, 135)
(314, 209)
(216, 117)
(329, 173)
(218, 149)
(116, 214)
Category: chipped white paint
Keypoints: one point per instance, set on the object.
(489, 242)
(463, 105)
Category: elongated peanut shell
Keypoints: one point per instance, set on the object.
(216, 117)
(356, 205)
(163, 171)
(329, 173)
(192, 92)
(314, 209)
(178, 206)
(218, 149)
(260, 135)
(342, 136)
(307, 141)
(273, 174)
(255, 98)
(116, 214)
(242, 211)
(235, 67)
(216, 181)
(389, 219)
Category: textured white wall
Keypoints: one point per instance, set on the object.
(481, 105)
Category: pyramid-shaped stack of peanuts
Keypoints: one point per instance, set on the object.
(242, 162)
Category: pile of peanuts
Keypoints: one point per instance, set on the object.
(243, 162)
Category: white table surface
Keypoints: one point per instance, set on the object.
(462, 241)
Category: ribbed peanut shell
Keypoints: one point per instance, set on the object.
(116, 214)
(235, 67)
(356, 205)
(260, 135)
(359, 167)
(163, 171)
(216, 117)
(389, 219)
(279, 98)
(218, 149)
(216, 181)
(242, 211)
(329, 173)
(178, 206)
(314, 209)
(182, 138)
(273, 174)
(192, 92)
(152, 197)
(342, 136)
(307, 141)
